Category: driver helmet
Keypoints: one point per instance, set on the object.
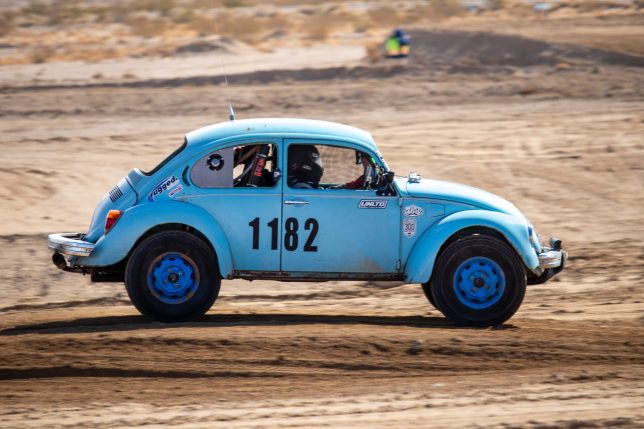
(305, 166)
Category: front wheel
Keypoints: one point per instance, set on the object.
(478, 281)
(172, 276)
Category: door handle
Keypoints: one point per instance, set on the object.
(295, 203)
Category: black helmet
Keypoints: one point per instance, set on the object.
(304, 165)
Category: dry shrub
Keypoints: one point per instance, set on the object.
(440, 9)
(6, 24)
(183, 16)
(374, 52)
(41, 54)
(240, 27)
(163, 7)
(147, 27)
(528, 88)
(233, 3)
(276, 22)
(384, 17)
(496, 4)
(203, 25)
(317, 27)
(57, 12)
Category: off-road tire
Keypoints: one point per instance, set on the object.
(447, 292)
(203, 268)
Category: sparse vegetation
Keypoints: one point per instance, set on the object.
(240, 27)
(95, 30)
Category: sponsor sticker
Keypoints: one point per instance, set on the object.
(176, 190)
(413, 211)
(372, 204)
(163, 186)
(409, 227)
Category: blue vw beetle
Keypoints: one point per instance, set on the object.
(301, 200)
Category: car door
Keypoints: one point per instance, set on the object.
(247, 210)
(330, 230)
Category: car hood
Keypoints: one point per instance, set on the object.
(455, 192)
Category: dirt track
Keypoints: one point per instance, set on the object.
(562, 142)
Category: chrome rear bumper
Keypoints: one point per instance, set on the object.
(70, 244)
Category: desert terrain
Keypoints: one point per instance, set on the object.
(545, 109)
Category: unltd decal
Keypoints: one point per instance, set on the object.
(372, 204)
(163, 186)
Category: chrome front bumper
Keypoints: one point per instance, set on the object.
(553, 257)
(70, 244)
(552, 261)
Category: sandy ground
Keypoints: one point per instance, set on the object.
(563, 142)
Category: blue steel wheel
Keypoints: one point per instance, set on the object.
(478, 280)
(172, 276)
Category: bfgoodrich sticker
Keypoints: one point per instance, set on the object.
(163, 186)
(413, 211)
(372, 204)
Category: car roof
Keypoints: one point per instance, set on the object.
(282, 127)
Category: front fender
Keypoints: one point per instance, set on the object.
(137, 220)
(420, 264)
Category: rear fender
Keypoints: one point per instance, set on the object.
(420, 264)
(137, 220)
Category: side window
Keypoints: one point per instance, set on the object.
(250, 165)
(323, 166)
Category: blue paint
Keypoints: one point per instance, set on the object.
(173, 278)
(136, 221)
(479, 282)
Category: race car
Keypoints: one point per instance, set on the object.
(303, 200)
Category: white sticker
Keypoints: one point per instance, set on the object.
(372, 204)
(413, 211)
(163, 186)
(409, 227)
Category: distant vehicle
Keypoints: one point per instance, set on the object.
(398, 44)
(221, 207)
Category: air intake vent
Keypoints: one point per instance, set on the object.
(115, 194)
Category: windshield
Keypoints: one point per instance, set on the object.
(168, 159)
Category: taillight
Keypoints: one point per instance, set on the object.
(111, 218)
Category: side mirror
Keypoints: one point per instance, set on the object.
(390, 175)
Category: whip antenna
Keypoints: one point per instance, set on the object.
(231, 112)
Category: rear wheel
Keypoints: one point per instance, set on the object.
(478, 281)
(172, 276)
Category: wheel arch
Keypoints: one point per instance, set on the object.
(423, 256)
(141, 222)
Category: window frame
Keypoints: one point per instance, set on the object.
(230, 144)
(324, 142)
